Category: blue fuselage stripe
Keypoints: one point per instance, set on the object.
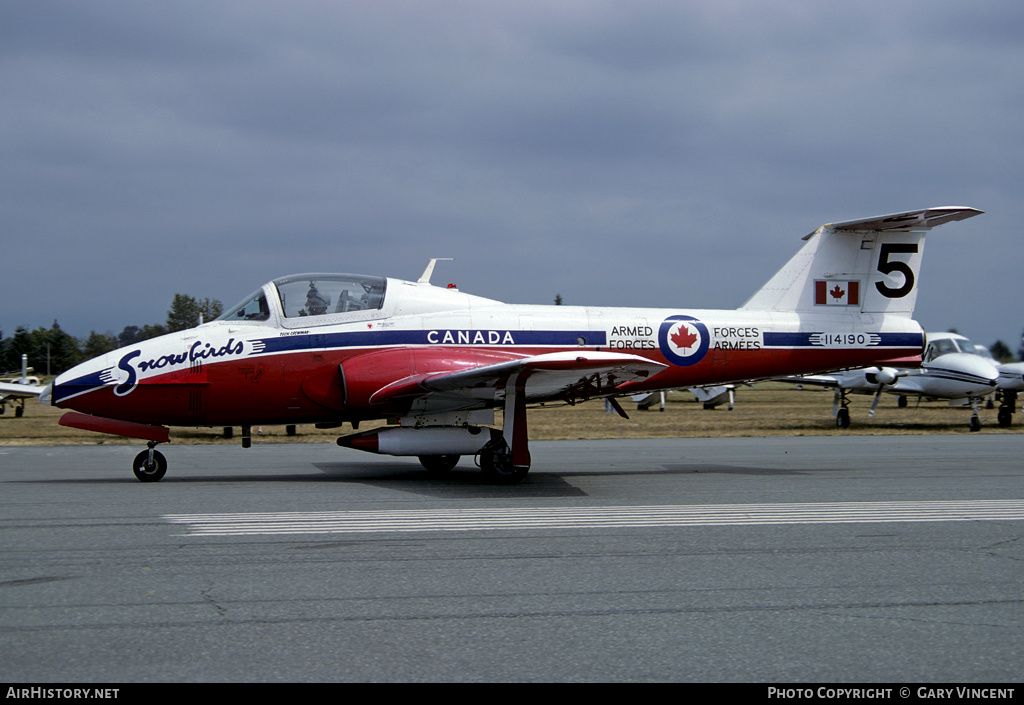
(370, 339)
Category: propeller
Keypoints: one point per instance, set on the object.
(884, 377)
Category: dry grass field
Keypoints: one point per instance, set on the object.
(765, 409)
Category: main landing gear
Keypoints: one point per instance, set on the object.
(1007, 406)
(504, 460)
(19, 408)
(503, 457)
(496, 462)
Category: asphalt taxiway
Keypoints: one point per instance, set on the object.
(829, 559)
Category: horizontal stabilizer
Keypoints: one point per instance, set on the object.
(905, 222)
(16, 389)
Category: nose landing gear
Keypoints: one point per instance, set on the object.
(150, 465)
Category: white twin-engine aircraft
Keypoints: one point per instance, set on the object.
(436, 363)
(952, 368)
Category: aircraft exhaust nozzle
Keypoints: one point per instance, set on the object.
(448, 440)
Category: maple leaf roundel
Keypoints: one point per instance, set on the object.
(683, 340)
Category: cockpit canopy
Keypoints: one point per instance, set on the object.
(321, 294)
(943, 344)
(311, 295)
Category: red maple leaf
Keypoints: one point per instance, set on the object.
(837, 293)
(683, 338)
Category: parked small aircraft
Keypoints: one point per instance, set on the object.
(1011, 382)
(436, 363)
(708, 397)
(19, 388)
(951, 369)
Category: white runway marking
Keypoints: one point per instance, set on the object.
(595, 517)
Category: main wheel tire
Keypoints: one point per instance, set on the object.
(439, 464)
(496, 463)
(1004, 417)
(843, 419)
(147, 471)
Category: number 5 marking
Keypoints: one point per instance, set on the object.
(885, 266)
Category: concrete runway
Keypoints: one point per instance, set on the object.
(824, 559)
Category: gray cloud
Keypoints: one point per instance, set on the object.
(650, 153)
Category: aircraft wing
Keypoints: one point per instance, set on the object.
(856, 381)
(812, 380)
(548, 377)
(20, 391)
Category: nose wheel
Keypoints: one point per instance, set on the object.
(841, 408)
(150, 465)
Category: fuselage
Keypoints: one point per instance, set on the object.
(286, 355)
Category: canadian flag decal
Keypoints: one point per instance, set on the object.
(836, 293)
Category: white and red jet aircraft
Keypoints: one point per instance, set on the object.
(334, 348)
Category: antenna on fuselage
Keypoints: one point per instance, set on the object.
(425, 277)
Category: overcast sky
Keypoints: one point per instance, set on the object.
(666, 153)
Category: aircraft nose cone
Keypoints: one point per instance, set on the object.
(970, 368)
(988, 370)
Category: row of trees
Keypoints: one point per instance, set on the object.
(51, 350)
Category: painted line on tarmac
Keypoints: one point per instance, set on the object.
(495, 519)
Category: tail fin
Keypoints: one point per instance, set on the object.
(865, 266)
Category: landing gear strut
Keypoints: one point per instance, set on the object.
(975, 419)
(1007, 406)
(506, 460)
(840, 408)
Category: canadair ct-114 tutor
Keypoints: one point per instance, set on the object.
(436, 362)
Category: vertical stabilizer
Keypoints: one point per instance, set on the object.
(858, 266)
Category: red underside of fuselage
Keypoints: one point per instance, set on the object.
(306, 387)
